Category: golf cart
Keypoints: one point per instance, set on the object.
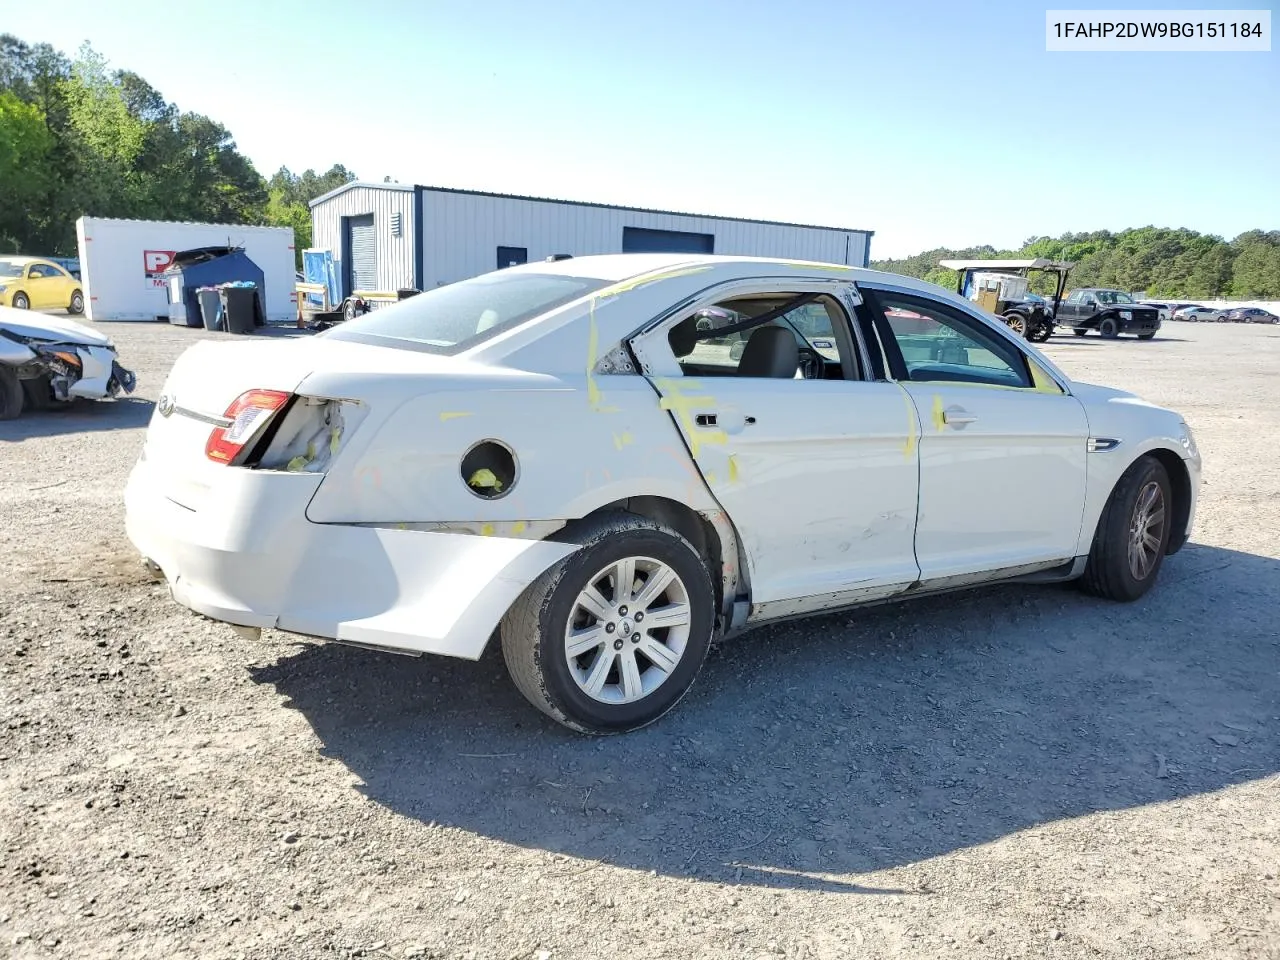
(1000, 287)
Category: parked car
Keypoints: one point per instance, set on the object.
(1198, 314)
(1250, 315)
(1163, 310)
(1110, 312)
(548, 452)
(46, 362)
(28, 283)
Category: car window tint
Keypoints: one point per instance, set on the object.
(941, 344)
(459, 315)
(702, 351)
(39, 270)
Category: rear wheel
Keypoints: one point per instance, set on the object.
(10, 394)
(610, 638)
(20, 302)
(1109, 329)
(1133, 534)
(76, 307)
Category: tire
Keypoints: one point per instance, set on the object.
(76, 307)
(1017, 323)
(1109, 329)
(20, 302)
(535, 631)
(39, 395)
(1040, 332)
(1080, 331)
(1146, 336)
(11, 395)
(1112, 570)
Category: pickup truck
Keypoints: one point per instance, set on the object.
(1110, 312)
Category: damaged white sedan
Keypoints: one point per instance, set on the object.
(609, 462)
(48, 362)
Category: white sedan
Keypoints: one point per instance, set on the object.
(574, 456)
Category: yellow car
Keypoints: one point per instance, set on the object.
(29, 283)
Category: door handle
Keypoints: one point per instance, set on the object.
(957, 417)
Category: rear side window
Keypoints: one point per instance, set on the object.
(458, 316)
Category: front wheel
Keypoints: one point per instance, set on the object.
(20, 302)
(1109, 329)
(1133, 534)
(1040, 332)
(1017, 323)
(613, 636)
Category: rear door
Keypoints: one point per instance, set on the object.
(1002, 446)
(819, 476)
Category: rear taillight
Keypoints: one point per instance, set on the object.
(249, 414)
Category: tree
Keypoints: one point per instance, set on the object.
(25, 143)
(289, 196)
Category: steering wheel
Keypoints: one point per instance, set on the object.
(812, 364)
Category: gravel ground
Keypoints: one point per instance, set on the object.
(1014, 771)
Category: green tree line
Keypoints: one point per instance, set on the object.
(1161, 262)
(78, 139)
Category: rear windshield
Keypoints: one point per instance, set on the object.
(10, 269)
(458, 316)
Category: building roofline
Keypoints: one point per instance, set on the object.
(583, 203)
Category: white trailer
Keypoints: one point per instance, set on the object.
(121, 262)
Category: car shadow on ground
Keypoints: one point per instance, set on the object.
(842, 744)
(81, 416)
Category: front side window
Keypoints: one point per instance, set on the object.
(460, 315)
(40, 270)
(1113, 296)
(1077, 296)
(939, 343)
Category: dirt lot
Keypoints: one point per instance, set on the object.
(1017, 771)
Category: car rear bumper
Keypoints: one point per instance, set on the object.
(249, 556)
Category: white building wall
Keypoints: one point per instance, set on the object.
(395, 254)
(462, 233)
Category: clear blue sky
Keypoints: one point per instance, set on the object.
(852, 113)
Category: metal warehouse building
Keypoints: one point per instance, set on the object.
(386, 236)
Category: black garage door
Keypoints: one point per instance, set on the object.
(362, 254)
(641, 240)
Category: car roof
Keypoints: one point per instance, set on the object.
(17, 259)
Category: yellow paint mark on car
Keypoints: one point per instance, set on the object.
(518, 528)
(909, 446)
(621, 440)
(734, 475)
(486, 530)
(454, 415)
(1040, 377)
(680, 403)
(939, 415)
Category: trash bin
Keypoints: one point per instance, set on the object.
(239, 307)
(210, 307)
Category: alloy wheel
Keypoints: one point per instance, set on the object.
(627, 630)
(1146, 530)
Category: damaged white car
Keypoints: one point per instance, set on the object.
(48, 362)
(610, 462)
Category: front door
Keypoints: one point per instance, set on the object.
(818, 473)
(43, 286)
(1002, 446)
